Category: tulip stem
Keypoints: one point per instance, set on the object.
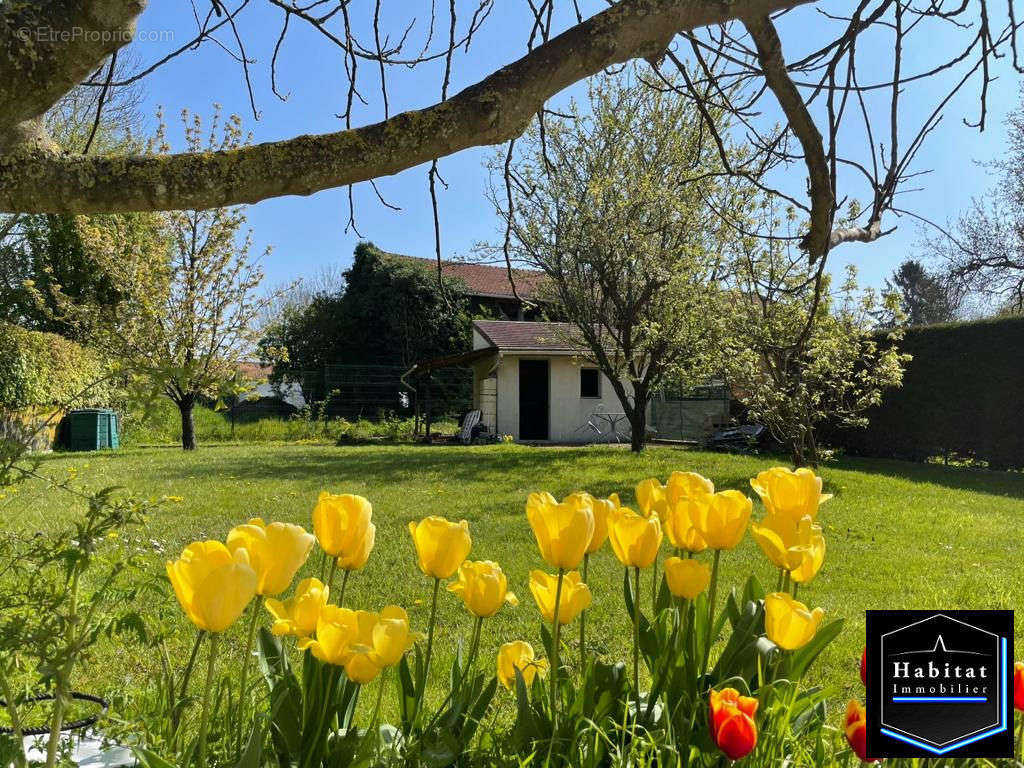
(243, 697)
(380, 695)
(430, 649)
(712, 590)
(555, 639)
(654, 586)
(344, 584)
(636, 636)
(583, 620)
(186, 677)
(795, 585)
(204, 721)
(334, 569)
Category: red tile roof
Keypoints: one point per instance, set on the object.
(486, 280)
(517, 334)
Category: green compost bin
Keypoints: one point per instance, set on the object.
(93, 429)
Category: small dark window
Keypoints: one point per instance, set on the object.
(590, 382)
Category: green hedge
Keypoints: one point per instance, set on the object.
(44, 369)
(962, 395)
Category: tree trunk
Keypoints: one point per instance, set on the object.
(188, 424)
(638, 418)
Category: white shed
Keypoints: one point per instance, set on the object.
(530, 381)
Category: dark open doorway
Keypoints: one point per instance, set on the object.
(533, 400)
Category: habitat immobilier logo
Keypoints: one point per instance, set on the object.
(939, 683)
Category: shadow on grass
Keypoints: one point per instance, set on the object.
(1007, 484)
(600, 469)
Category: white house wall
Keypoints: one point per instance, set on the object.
(567, 410)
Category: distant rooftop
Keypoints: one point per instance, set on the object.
(533, 336)
(487, 280)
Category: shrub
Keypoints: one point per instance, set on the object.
(960, 396)
(40, 369)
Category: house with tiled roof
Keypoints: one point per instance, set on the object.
(491, 288)
(537, 382)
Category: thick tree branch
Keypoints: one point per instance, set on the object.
(47, 48)
(769, 54)
(492, 111)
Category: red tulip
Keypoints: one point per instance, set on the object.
(864, 667)
(856, 730)
(732, 722)
(1018, 685)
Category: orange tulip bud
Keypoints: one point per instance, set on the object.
(856, 730)
(732, 722)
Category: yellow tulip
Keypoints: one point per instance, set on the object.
(575, 596)
(297, 616)
(213, 585)
(391, 636)
(682, 485)
(684, 493)
(788, 623)
(342, 523)
(788, 493)
(483, 587)
(360, 668)
(361, 664)
(686, 577)
(650, 497)
(635, 539)
(796, 547)
(812, 552)
(355, 558)
(778, 538)
(600, 508)
(722, 521)
(440, 545)
(276, 552)
(563, 531)
(337, 630)
(519, 655)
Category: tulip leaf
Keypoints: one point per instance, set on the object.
(253, 753)
(149, 759)
(273, 658)
(545, 637)
(801, 660)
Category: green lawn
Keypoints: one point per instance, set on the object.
(898, 535)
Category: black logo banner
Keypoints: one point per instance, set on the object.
(940, 683)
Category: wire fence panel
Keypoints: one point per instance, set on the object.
(375, 392)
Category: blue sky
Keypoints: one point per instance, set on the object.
(309, 232)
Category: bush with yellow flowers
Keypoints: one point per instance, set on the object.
(708, 680)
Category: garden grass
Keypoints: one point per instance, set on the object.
(898, 535)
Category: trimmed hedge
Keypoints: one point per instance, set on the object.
(44, 369)
(962, 394)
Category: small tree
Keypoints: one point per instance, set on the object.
(801, 356)
(182, 329)
(611, 205)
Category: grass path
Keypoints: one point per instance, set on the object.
(898, 535)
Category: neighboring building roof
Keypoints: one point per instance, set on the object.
(528, 336)
(485, 280)
(254, 369)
